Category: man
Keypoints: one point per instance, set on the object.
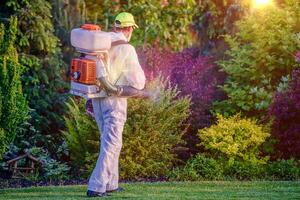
(125, 79)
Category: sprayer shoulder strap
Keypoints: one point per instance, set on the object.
(118, 42)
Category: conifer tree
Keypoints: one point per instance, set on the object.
(13, 106)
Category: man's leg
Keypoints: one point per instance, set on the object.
(113, 182)
(105, 174)
(94, 181)
(119, 115)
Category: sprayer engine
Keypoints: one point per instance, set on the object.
(83, 71)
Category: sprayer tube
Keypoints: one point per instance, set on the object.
(122, 91)
(128, 91)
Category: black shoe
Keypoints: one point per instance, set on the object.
(119, 189)
(91, 193)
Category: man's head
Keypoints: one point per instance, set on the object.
(124, 22)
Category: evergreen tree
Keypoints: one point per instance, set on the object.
(13, 106)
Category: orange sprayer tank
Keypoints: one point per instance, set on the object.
(83, 70)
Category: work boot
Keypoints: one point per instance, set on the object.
(91, 193)
(119, 189)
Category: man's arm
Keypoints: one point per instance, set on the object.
(122, 91)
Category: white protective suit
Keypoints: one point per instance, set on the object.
(111, 113)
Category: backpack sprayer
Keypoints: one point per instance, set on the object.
(89, 72)
(93, 45)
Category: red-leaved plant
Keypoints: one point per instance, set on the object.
(285, 110)
(194, 75)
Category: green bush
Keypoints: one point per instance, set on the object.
(52, 169)
(234, 138)
(242, 170)
(261, 57)
(200, 167)
(284, 169)
(150, 134)
(82, 137)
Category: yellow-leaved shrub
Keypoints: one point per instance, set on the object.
(235, 139)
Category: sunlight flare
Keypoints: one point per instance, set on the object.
(261, 3)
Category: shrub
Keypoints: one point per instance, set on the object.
(260, 55)
(200, 167)
(198, 77)
(13, 106)
(79, 126)
(150, 134)
(206, 167)
(55, 170)
(285, 111)
(82, 138)
(234, 138)
(284, 170)
(52, 169)
(194, 75)
(242, 170)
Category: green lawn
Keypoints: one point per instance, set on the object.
(167, 190)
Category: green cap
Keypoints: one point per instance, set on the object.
(125, 19)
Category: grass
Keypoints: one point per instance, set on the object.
(167, 190)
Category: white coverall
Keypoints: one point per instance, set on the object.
(111, 113)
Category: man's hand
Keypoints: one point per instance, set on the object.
(109, 88)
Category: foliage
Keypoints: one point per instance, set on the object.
(214, 18)
(13, 106)
(150, 134)
(284, 170)
(54, 170)
(261, 53)
(68, 14)
(200, 167)
(242, 170)
(159, 22)
(71, 13)
(234, 138)
(43, 72)
(285, 111)
(152, 131)
(79, 126)
(194, 75)
(51, 168)
(204, 167)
